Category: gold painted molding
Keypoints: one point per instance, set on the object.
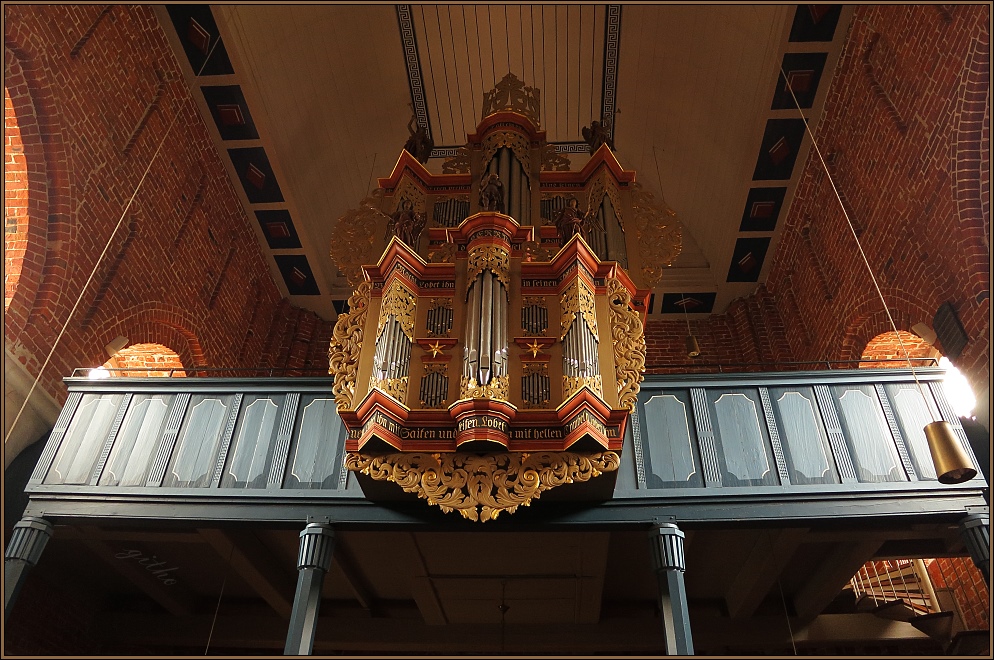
(481, 487)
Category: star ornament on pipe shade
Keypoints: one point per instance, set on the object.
(535, 347)
(436, 348)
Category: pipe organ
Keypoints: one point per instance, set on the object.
(497, 357)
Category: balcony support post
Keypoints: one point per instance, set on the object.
(976, 532)
(317, 544)
(666, 548)
(23, 552)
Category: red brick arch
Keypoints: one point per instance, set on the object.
(32, 197)
(154, 323)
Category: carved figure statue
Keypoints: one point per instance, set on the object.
(597, 134)
(405, 224)
(571, 221)
(419, 144)
(492, 194)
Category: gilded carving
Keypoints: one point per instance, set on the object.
(605, 185)
(497, 388)
(534, 251)
(443, 253)
(354, 236)
(628, 338)
(492, 258)
(512, 94)
(577, 299)
(572, 384)
(658, 234)
(411, 192)
(398, 302)
(481, 487)
(395, 387)
(458, 164)
(552, 160)
(515, 141)
(346, 342)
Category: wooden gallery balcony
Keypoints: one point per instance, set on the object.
(785, 484)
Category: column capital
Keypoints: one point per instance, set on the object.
(666, 541)
(317, 544)
(29, 539)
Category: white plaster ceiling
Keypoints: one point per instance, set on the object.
(329, 93)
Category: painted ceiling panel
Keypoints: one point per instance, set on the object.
(691, 88)
(467, 49)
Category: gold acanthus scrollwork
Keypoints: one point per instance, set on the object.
(400, 303)
(346, 343)
(458, 164)
(572, 384)
(577, 299)
(512, 94)
(354, 236)
(552, 160)
(481, 487)
(395, 387)
(517, 143)
(657, 232)
(492, 258)
(628, 337)
(498, 388)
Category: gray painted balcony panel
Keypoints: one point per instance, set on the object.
(703, 441)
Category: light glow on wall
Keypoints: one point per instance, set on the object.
(961, 396)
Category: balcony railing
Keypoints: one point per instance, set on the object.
(787, 436)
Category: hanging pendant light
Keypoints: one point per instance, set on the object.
(952, 464)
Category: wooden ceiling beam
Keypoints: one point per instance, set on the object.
(760, 569)
(174, 598)
(836, 569)
(256, 565)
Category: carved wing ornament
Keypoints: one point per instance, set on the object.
(346, 342)
(658, 233)
(481, 487)
(354, 236)
(628, 338)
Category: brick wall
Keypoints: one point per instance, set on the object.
(94, 94)
(147, 360)
(969, 589)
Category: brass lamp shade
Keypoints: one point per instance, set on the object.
(693, 349)
(952, 465)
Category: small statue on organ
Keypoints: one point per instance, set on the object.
(492, 194)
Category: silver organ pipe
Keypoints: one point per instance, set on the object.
(393, 352)
(472, 347)
(517, 185)
(580, 350)
(486, 350)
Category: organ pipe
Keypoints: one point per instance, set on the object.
(485, 351)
